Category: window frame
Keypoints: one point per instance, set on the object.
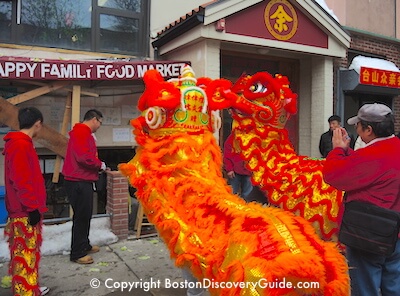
(143, 35)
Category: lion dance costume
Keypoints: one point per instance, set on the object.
(178, 176)
(291, 181)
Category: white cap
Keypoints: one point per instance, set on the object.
(370, 113)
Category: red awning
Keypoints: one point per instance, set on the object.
(46, 69)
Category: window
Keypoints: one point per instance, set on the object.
(118, 34)
(5, 20)
(56, 23)
(121, 4)
(117, 26)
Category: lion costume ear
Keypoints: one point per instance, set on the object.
(158, 92)
(291, 105)
(240, 84)
(218, 94)
(203, 82)
(287, 94)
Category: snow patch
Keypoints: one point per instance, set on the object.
(57, 238)
(375, 63)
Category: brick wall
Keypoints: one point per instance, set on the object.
(387, 48)
(117, 203)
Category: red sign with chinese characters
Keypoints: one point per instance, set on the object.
(277, 20)
(379, 77)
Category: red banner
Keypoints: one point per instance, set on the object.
(379, 77)
(44, 69)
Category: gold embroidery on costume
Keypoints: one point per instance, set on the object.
(221, 238)
(24, 242)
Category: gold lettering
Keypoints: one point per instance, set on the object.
(365, 76)
(286, 235)
(375, 76)
(392, 78)
(384, 78)
(281, 17)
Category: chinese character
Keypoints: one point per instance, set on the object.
(375, 76)
(365, 76)
(392, 78)
(384, 79)
(281, 18)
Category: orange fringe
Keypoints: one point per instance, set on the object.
(215, 233)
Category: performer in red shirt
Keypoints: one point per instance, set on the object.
(81, 169)
(25, 203)
(239, 176)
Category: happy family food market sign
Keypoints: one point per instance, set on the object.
(42, 69)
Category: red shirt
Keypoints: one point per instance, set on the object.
(81, 162)
(24, 182)
(370, 174)
(232, 160)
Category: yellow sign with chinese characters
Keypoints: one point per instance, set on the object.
(379, 77)
(281, 19)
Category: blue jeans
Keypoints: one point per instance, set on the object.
(374, 275)
(242, 182)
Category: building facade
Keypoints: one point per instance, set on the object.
(374, 36)
(66, 57)
(226, 38)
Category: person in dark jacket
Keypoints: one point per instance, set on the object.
(239, 176)
(25, 201)
(81, 169)
(325, 142)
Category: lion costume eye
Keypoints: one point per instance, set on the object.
(258, 88)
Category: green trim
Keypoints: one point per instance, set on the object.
(367, 33)
(201, 118)
(184, 119)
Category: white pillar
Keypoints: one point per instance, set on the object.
(321, 99)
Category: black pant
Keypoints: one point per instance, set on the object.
(80, 195)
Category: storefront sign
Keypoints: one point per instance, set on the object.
(379, 77)
(22, 68)
(281, 19)
(277, 20)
